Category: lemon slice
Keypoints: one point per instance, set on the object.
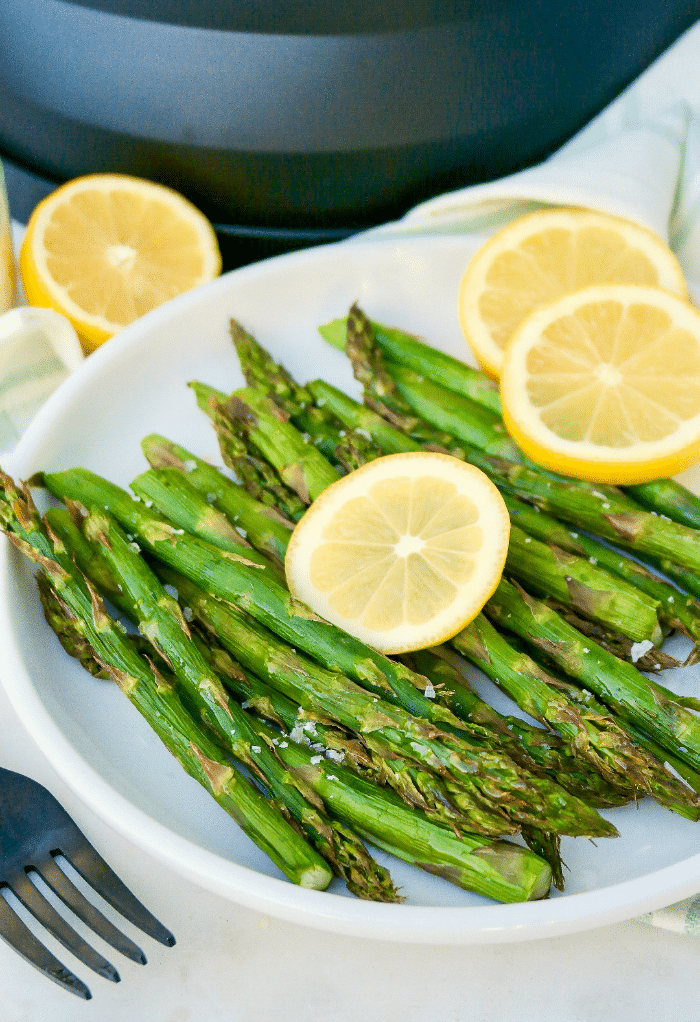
(549, 253)
(403, 552)
(107, 248)
(604, 384)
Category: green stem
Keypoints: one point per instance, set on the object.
(324, 431)
(171, 492)
(407, 350)
(633, 696)
(550, 571)
(265, 527)
(299, 464)
(676, 610)
(592, 736)
(156, 700)
(255, 474)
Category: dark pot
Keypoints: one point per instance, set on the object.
(292, 123)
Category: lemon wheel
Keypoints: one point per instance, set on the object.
(543, 255)
(403, 552)
(604, 384)
(105, 249)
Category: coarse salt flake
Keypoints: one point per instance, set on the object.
(639, 649)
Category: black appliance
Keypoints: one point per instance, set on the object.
(295, 123)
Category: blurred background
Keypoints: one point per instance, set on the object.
(292, 124)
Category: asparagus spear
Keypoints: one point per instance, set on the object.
(348, 449)
(670, 498)
(407, 350)
(632, 695)
(381, 394)
(354, 416)
(560, 760)
(664, 496)
(162, 622)
(299, 465)
(265, 527)
(550, 571)
(644, 655)
(468, 766)
(676, 610)
(593, 736)
(170, 487)
(255, 474)
(155, 698)
(584, 698)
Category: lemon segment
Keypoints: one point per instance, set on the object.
(545, 254)
(105, 249)
(604, 384)
(403, 552)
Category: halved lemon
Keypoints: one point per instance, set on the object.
(545, 254)
(107, 248)
(604, 384)
(403, 552)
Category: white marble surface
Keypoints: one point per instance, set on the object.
(234, 965)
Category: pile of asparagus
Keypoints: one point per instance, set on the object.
(313, 742)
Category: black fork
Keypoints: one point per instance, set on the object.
(35, 831)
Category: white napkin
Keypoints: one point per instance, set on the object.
(647, 172)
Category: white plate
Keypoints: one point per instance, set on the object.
(97, 742)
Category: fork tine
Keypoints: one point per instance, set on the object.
(23, 941)
(69, 894)
(95, 871)
(44, 912)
